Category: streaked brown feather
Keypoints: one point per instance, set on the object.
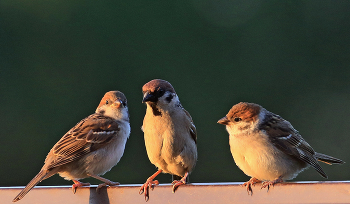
(193, 130)
(287, 139)
(83, 139)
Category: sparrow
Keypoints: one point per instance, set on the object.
(91, 148)
(267, 148)
(170, 134)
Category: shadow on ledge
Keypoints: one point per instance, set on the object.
(98, 197)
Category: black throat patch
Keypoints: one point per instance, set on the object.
(155, 110)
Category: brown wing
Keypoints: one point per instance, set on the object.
(87, 136)
(287, 139)
(193, 130)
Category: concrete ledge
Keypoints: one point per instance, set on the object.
(221, 193)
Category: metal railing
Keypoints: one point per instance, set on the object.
(220, 193)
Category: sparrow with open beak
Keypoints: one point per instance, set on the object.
(91, 148)
(267, 148)
(169, 133)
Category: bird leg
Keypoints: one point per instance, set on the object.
(78, 184)
(149, 184)
(106, 182)
(269, 183)
(177, 183)
(252, 181)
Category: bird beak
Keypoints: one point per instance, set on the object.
(224, 121)
(149, 97)
(117, 103)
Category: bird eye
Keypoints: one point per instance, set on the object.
(107, 102)
(237, 119)
(161, 92)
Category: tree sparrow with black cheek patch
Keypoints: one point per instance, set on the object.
(91, 148)
(169, 133)
(267, 148)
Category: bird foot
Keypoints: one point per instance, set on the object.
(149, 184)
(106, 182)
(177, 183)
(78, 184)
(249, 185)
(109, 183)
(270, 183)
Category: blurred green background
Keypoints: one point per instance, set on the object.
(58, 58)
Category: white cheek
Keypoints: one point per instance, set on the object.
(124, 112)
(117, 114)
(240, 128)
(230, 129)
(163, 103)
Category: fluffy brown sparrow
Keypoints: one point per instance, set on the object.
(267, 148)
(91, 148)
(169, 132)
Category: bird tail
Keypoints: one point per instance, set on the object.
(38, 178)
(328, 159)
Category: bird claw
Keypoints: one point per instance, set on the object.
(267, 184)
(270, 183)
(141, 191)
(176, 184)
(146, 186)
(249, 185)
(78, 184)
(111, 183)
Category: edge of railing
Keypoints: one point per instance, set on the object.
(230, 192)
